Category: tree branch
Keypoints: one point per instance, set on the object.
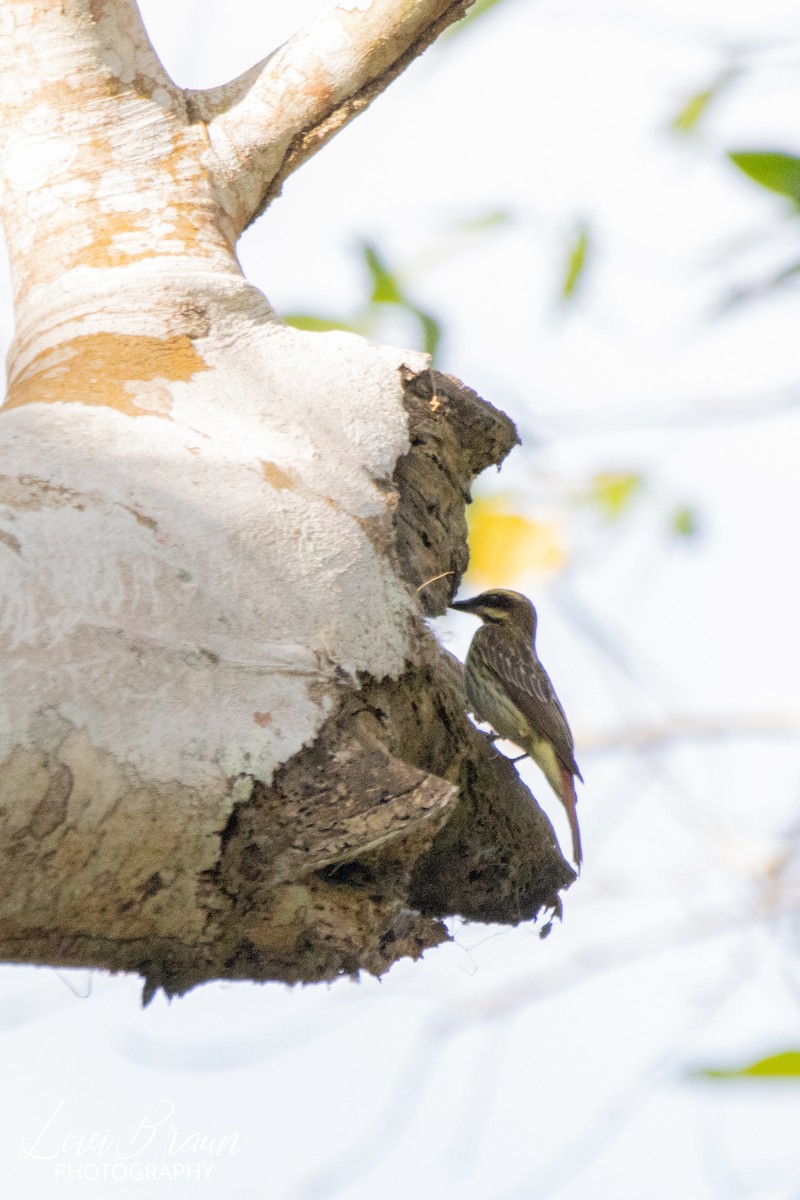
(650, 737)
(274, 117)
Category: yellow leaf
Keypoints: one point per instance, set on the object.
(504, 544)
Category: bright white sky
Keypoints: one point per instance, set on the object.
(502, 1066)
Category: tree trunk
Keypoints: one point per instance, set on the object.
(229, 746)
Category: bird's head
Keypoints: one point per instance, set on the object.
(502, 607)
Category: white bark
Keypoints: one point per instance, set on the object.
(279, 113)
(207, 536)
(196, 507)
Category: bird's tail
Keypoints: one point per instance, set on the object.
(570, 802)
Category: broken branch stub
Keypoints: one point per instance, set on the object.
(401, 813)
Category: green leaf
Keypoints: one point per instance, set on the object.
(387, 290)
(386, 287)
(689, 115)
(684, 522)
(431, 331)
(772, 170)
(613, 491)
(478, 9)
(695, 107)
(776, 1066)
(316, 324)
(494, 218)
(576, 262)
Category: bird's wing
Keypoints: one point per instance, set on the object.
(528, 686)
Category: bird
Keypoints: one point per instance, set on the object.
(509, 689)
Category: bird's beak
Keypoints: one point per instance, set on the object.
(469, 606)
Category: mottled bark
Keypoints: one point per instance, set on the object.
(229, 745)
